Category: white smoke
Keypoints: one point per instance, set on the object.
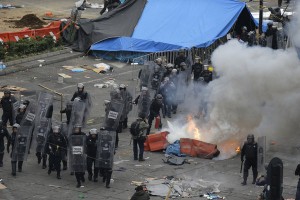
(258, 92)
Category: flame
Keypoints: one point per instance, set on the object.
(238, 149)
(192, 128)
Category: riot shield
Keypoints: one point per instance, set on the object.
(88, 106)
(77, 115)
(261, 153)
(145, 75)
(42, 123)
(77, 156)
(15, 106)
(22, 142)
(144, 103)
(274, 180)
(64, 129)
(113, 114)
(106, 149)
(181, 86)
(127, 99)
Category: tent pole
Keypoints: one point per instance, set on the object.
(261, 4)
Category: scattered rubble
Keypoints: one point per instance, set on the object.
(29, 20)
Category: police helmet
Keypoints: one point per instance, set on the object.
(80, 85)
(22, 106)
(7, 92)
(244, 28)
(14, 126)
(93, 131)
(159, 97)
(122, 86)
(174, 71)
(26, 102)
(144, 89)
(56, 129)
(169, 65)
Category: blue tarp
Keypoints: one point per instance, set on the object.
(173, 24)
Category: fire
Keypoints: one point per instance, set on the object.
(238, 149)
(192, 128)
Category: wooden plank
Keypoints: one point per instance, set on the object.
(64, 75)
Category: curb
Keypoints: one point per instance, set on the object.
(14, 69)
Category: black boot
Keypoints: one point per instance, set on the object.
(254, 178)
(65, 165)
(245, 181)
(44, 162)
(90, 177)
(20, 164)
(58, 175)
(1, 159)
(13, 168)
(78, 185)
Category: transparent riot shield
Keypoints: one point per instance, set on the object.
(16, 106)
(64, 129)
(144, 103)
(22, 142)
(106, 149)
(145, 75)
(77, 115)
(181, 86)
(261, 153)
(113, 114)
(88, 106)
(77, 156)
(42, 123)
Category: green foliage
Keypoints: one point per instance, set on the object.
(28, 46)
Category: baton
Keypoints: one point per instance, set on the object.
(241, 167)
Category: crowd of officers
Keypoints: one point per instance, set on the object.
(56, 147)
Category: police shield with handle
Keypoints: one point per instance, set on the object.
(105, 153)
(44, 111)
(23, 137)
(77, 154)
(127, 99)
(249, 151)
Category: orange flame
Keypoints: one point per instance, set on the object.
(238, 149)
(192, 128)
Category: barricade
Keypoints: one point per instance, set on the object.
(196, 148)
(157, 141)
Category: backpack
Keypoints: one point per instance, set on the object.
(135, 129)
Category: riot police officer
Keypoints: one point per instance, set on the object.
(12, 141)
(78, 168)
(180, 59)
(6, 104)
(68, 111)
(249, 151)
(21, 112)
(127, 99)
(3, 133)
(80, 92)
(91, 148)
(197, 69)
(56, 144)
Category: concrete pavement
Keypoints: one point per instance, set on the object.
(35, 183)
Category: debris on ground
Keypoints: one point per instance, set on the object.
(175, 160)
(102, 68)
(101, 85)
(178, 187)
(64, 75)
(1, 185)
(12, 88)
(9, 6)
(30, 21)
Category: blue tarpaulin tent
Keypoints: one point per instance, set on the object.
(166, 25)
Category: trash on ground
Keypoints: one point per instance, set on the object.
(136, 183)
(2, 66)
(175, 160)
(121, 169)
(78, 69)
(184, 188)
(138, 165)
(2, 186)
(64, 75)
(41, 61)
(95, 6)
(101, 85)
(12, 88)
(9, 6)
(120, 161)
(102, 68)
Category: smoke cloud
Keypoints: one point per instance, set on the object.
(258, 91)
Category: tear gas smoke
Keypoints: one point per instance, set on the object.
(258, 92)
